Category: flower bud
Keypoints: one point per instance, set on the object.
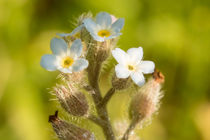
(98, 52)
(146, 101)
(103, 51)
(72, 100)
(120, 83)
(67, 131)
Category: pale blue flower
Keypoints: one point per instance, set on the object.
(64, 59)
(131, 64)
(102, 28)
(73, 33)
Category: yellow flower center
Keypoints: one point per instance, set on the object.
(130, 67)
(104, 33)
(67, 62)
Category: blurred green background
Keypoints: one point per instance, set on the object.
(175, 34)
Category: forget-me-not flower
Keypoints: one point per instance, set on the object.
(64, 59)
(131, 64)
(102, 29)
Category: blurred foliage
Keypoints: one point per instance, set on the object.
(174, 34)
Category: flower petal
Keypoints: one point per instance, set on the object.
(97, 38)
(138, 78)
(103, 19)
(58, 46)
(122, 71)
(76, 30)
(76, 48)
(63, 34)
(118, 25)
(120, 56)
(135, 54)
(65, 70)
(113, 36)
(90, 25)
(79, 65)
(48, 62)
(147, 66)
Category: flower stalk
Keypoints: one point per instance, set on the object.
(101, 110)
(108, 96)
(131, 127)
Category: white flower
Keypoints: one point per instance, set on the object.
(131, 64)
(63, 58)
(102, 29)
(75, 32)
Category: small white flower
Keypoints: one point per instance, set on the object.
(131, 64)
(63, 58)
(75, 32)
(102, 29)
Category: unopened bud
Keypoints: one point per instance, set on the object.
(72, 100)
(67, 131)
(113, 18)
(119, 83)
(146, 102)
(103, 50)
(98, 52)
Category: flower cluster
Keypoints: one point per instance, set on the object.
(79, 56)
(67, 59)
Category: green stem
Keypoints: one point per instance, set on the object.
(108, 96)
(132, 126)
(93, 77)
(102, 112)
(95, 119)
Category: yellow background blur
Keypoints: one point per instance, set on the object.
(175, 34)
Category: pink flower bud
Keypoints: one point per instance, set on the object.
(113, 18)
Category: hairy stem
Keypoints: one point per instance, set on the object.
(131, 127)
(102, 112)
(93, 77)
(108, 96)
(95, 119)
